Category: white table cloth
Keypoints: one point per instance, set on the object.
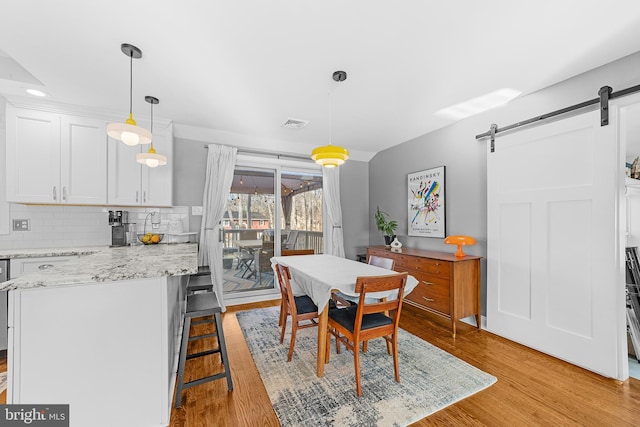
(318, 275)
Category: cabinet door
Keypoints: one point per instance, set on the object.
(123, 174)
(157, 183)
(83, 166)
(33, 156)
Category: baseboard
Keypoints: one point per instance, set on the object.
(471, 320)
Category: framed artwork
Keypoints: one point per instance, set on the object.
(426, 210)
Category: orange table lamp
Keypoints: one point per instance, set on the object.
(460, 241)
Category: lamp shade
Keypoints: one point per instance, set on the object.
(460, 241)
(330, 156)
(151, 158)
(129, 133)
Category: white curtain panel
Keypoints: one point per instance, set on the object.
(221, 162)
(332, 228)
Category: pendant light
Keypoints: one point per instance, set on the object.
(128, 132)
(151, 158)
(329, 155)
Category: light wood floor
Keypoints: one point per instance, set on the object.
(533, 389)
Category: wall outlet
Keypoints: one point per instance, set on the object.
(21, 225)
(196, 210)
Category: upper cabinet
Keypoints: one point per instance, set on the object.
(133, 184)
(54, 158)
(59, 158)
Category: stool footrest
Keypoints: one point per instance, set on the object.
(202, 353)
(199, 322)
(203, 336)
(204, 380)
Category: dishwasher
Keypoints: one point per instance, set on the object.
(4, 276)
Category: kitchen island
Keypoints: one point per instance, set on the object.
(100, 333)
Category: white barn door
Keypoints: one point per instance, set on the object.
(553, 251)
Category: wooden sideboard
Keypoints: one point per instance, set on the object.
(447, 285)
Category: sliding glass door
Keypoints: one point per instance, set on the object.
(268, 209)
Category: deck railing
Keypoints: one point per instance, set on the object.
(306, 239)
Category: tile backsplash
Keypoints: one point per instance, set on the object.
(66, 226)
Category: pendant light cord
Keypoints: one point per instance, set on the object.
(131, 82)
(330, 117)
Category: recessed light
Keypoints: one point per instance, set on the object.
(36, 92)
(479, 104)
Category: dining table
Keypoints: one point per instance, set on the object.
(319, 275)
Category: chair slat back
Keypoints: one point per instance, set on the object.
(369, 284)
(383, 262)
(289, 252)
(280, 273)
(285, 288)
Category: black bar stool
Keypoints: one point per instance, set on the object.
(199, 282)
(201, 305)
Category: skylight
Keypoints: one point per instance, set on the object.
(479, 104)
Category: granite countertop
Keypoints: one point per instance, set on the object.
(106, 264)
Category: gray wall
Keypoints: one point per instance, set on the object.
(190, 165)
(465, 159)
(188, 185)
(354, 197)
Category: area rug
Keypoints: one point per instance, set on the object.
(430, 378)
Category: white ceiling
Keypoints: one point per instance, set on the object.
(240, 68)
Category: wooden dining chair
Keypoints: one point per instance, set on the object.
(368, 320)
(300, 308)
(383, 262)
(290, 252)
(348, 300)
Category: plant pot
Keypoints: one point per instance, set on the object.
(388, 240)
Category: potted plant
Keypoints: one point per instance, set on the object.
(386, 227)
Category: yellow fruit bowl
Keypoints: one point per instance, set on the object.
(150, 238)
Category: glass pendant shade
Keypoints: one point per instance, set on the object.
(151, 158)
(129, 132)
(330, 156)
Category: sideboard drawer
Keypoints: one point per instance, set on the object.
(437, 267)
(431, 292)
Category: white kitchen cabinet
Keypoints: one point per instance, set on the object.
(22, 266)
(55, 158)
(133, 184)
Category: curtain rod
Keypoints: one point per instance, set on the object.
(270, 154)
(605, 95)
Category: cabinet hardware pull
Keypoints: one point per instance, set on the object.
(429, 299)
(44, 266)
(144, 197)
(136, 197)
(55, 193)
(428, 283)
(64, 193)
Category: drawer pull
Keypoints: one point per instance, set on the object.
(428, 283)
(429, 299)
(45, 266)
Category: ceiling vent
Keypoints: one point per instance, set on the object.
(295, 123)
